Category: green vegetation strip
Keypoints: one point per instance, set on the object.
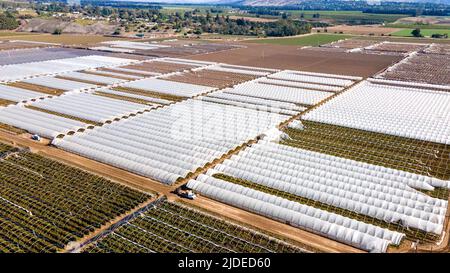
(4, 148)
(416, 156)
(411, 234)
(421, 26)
(349, 17)
(305, 40)
(423, 32)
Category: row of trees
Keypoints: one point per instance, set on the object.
(417, 33)
(8, 21)
(224, 25)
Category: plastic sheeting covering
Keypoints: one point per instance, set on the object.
(172, 141)
(61, 84)
(134, 71)
(112, 49)
(257, 101)
(18, 94)
(336, 227)
(92, 78)
(395, 110)
(303, 174)
(91, 107)
(25, 70)
(131, 95)
(410, 180)
(320, 78)
(249, 105)
(313, 86)
(186, 62)
(280, 93)
(115, 74)
(134, 45)
(169, 87)
(36, 122)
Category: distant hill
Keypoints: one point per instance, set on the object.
(271, 2)
(294, 2)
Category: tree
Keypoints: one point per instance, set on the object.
(7, 21)
(117, 31)
(416, 32)
(439, 36)
(57, 31)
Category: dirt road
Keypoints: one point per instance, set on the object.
(148, 185)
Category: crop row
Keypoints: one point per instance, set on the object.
(53, 204)
(411, 233)
(171, 227)
(416, 156)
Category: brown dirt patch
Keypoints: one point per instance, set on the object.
(211, 78)
(283, 57)
(37, 88)
(160, 67)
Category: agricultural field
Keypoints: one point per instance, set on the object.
(425, 32)
(45, 204)
(421, 26)
(424, 68)
(168, 227)
(347, 16)
(304, 40)
(360, 30)
(321, 142)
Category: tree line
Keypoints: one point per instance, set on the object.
(8, 21)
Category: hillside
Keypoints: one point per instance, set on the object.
(270, 2)
(49, 25)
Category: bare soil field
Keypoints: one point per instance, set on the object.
(160, 67)
(9, 45)
(398, 47)
(360, 30)
(425, 68)
(284, 57)
(216, 79)
(438, 49)
(351, 44)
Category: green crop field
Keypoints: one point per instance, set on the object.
(307, 40)
(343, 16)
(425, 32)
(421, 26)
